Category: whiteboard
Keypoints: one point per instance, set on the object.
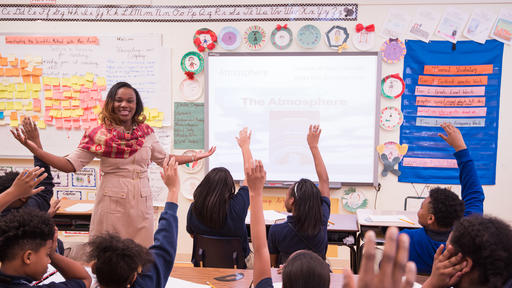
(278, 95)
(138, 59)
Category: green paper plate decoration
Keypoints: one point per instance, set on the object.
(281, 37)
(309, 36)
(192, 62)
(353, 200)
(392, 86)
(255, 37)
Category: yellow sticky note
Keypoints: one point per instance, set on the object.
(158, 124)
(88, 84)
(14, 123)
(67, 94)
(89, 77)
(27, 107)
(154, 113)
(76, 87)
(46, 80)
(66, 113)
(75, 103)
(41, 124)
(53, 113)
(55, 81)
(65, 104)
(11, 87)
(79, 112)
(35, 87)
(75, 94)
(48, 103)
(18, 106)
(66, 81)
(20, 87)
(101, 81)
(2, 105)
(9, 106)
(160, 116)
(48, 94)
(96, 110)
(4, 95)
(3, 87)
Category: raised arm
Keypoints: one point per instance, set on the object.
(256, 179)
(183, 159)
(244, 141)
(23, 186)
(321, 171)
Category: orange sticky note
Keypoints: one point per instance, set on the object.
(35, 118)
(3, 61)
(36, 79)
(37, 71)
(25, 72)
(14, 63)
(36, 105)
(14, 116)
(23, 64)
(1, 72)
(12, 72)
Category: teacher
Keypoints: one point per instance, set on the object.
(125, 146)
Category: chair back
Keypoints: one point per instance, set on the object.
(412, 203)
(218, 252)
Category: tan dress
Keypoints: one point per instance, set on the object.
(123, 200)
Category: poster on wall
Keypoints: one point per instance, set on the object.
(443, 85)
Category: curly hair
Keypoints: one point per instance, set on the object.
(6, 180)
(487, 241)
(22, 230)
(306, 269)
(117, 259)
(107, 115)
(446, 206)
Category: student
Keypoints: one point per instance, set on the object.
(28, 240)
(443, 207)
(310, 206)
(478, 254)
(125, 146)
(217, 210)
(120, 263)
(303, 269)
(393, 267)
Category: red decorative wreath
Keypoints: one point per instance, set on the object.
(203, 44)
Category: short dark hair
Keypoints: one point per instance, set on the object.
(487, 241)
(22, 230)
(117, 259)
(446, 206)
(307, 207)
(212, 196)
(107, 114)
(306, 269)
(7, 179)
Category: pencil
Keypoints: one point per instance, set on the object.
(210, 284)
(330, 222)
(407, 221)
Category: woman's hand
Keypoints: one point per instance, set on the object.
(31, 131)
(22, 138)
(201, 155)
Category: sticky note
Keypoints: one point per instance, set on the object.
(65, 104)
(35, 86)
(20, 86)
(3, 61)
(14, 123)
(25, 72)
(160, 116)
(36, 79)
(35, 118)
(1, 114)
(11, 57)
(96, 110)
(2, 72)
(89, 77)
(4, 95)
(17, 106)
(27, 107)
(41, 124)
(66, 113)
(36, 103)
(12, 72)
(2, 105)
(14, 116)
(48, 94)
(75, 103)
(101, 81)
(37, 60)
(75, 94)
(9, 106)
(23, 63)
(59, 123)
(76, 87)
(37, 71)
(88, 84)
(13, 62)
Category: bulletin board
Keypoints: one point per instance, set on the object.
(62, 81)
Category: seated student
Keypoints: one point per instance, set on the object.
(479, 254)
(443, 207)
(28, 240)
(124, 263)
(22, 187)
(217, 210)
(40, 200)
(303, 269)
(310, 206)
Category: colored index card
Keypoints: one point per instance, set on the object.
(89, 77)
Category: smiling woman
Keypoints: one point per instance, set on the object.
(125, 146)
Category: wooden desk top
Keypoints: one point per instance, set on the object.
(66, 203)
(362, 215)
(342, 222)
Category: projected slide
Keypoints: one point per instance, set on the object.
(278, 96)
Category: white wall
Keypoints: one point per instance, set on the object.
(178, 37)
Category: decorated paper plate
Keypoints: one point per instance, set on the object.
(281, 37)
(192, 167)
(191, 89)
(255, 37)
(192, 62)
(353, 200)
(393, 51)
(205, 38)
(189, 185)
(336, 36)
(391, 118)
(392, 86)
(364, 37)
(229, 38)
(309, 36)
(392, 150)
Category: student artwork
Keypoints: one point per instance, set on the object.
(189, 185)
(390, 154)
(229, 38)
(337, 37)
(309, 36)
(364, 38)
(392, 86)
(192, 62)
(255, 37)
(192, 167)
(502, 30)
(191, 88)
(60, 179)
(281, 37)
(205, 38)
(396, 23)
(393, 51)
(353, 200)
(391, 117)
(84, 178)
(424, 24)
(451, 25)
(479, 25)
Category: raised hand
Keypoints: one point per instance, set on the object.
(256, 176)
(453, 136)
(448, 268)
(54, 206)
(171, 178)
(244, 138)
(202, 154)
(22, 138)
(314, 135)
(31, 131)
(24, 184)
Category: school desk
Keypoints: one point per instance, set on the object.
(67, 220)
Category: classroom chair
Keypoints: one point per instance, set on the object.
(413, 203)
(218, 252)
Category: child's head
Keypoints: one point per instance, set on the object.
(6, 182)
(26, 237)
(117, 261)
(211, 197)
(486, 244)
(303, 199)
(306, 269)
(441, 209)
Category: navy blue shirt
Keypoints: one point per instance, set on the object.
(235, 220)
(10, 281)
(265, 283)
(284, 240)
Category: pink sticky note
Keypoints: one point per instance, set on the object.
(36, 105)
(57, 95)
(59, 123)
(68, 124)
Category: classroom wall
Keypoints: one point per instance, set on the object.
(178, 37)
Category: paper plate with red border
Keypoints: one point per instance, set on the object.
(281, 37)
(392, 86)
(192, 62)
(204, 39)
(391, 117)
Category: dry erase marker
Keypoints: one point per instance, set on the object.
(210, 284)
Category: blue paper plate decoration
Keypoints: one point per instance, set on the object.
(309, 36)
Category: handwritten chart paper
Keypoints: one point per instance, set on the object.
(443, 85)
(188, 125)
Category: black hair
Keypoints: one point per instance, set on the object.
(108, 116)
(487, 241)
(7, 179)
(117, 259)
(22, 230)
(306, 269)
(446, 206)
(307, 207)
(211, 197)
